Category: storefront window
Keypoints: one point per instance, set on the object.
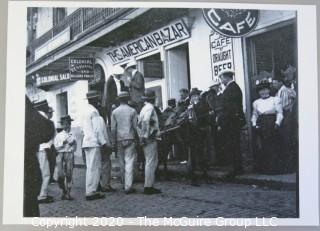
(270, 53)
(152, 68)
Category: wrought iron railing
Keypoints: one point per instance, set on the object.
(80, 21)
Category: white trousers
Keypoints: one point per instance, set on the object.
(105, 176)
(45, 173)
(150, 151)
(93, 162)
(127, 158)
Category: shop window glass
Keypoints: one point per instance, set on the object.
(269, 53)
(58, 15)
(152, 68)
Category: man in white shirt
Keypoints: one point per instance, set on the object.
(93, 143)
(149, 133)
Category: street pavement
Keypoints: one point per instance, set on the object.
(179, 199)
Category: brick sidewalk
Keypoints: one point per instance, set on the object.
(177, 200)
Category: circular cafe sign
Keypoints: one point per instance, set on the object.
(231, 22)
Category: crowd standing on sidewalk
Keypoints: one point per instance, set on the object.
(137, 131)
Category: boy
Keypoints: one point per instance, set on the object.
(65, 144)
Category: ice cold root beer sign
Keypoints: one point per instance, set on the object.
(231, 22)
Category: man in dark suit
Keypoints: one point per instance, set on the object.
(113, 87)
(230, 119)
(38, 130)
(136, 84)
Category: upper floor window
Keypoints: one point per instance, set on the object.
(58, 15)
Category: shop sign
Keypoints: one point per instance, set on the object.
(153, 69)
(52, 79)
(81, 68)
(221, 52)
(55, 42)
(172, 33)
(231, 22)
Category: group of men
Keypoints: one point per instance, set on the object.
(132, 127)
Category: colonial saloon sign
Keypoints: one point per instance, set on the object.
(231, 22)
(81, 68)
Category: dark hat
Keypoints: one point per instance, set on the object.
(93, 94)
(263, 83)
(123, 94)
(227, 73)
(172, 102)
(50, 109)
(184, 90)
(194, 91)
(65, 118)
(149, 94)
(41, 105)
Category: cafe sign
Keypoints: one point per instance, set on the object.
(81, 68)
(221, 52)
(231, 22)
(169, 34)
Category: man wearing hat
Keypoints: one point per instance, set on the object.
(149, 132)
(198, 113)
(114, 86)
(65, 144)
(124, 136)
(93, 144)
(136, 84)
(230, 120)
(42, 154)
(38, 129)
(288, 99)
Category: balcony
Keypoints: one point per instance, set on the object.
(80, 22)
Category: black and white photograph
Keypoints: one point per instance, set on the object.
(163, 111)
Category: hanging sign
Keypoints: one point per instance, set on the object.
(47, 80)
(231, 22)
(221, 52)
(171, 33)
(81, 68)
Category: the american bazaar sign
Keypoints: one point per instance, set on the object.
(174, 32)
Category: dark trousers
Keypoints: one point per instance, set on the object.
(198, 152)
(51, 155)
(32, 184)
(230, 145)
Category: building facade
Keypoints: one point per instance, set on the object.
(174, 48)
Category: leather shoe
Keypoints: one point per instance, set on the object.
(151, 190)
(130, 191)
(95, 197)
(108, 189)
(46, 200)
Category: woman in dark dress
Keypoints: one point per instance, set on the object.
(266, 119)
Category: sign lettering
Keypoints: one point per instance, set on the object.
(221, 52)
(174, 32)
(81, 68)
(231, 22)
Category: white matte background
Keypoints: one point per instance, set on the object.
(308, 103)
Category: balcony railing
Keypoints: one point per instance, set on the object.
(79, 22)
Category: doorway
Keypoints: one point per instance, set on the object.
(62, 105)
(178, 70)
